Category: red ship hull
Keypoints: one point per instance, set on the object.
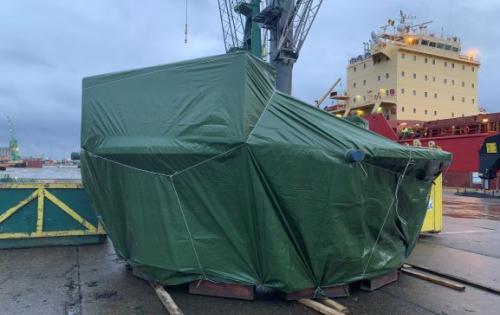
(464, 147)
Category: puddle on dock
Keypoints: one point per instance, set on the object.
(471, 207)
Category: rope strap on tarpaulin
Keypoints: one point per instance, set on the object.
(394, 201)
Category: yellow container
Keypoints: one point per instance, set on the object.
(433, 222)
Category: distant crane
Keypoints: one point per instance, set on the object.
(328, 93)
(14, 148)
(286, 22)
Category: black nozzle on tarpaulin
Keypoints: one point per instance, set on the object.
(354, 156)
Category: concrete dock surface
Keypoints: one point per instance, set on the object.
(93, 280)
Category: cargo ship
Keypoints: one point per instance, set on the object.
(416, 87)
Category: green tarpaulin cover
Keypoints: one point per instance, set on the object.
(202, 170)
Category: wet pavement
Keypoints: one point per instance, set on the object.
(93, 280)
(471, 207)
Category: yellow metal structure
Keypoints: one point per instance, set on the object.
(433, 222)
(41, 193)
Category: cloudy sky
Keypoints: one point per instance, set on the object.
(47, 47)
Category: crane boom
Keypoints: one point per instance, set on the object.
(232, 25)
(330, 90)
(290, 34)
(298, 26)
(288, 23)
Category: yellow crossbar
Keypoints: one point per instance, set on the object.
(70, 212)
(4, 216)
(48, 234)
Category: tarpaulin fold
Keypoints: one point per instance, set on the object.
(202, 170)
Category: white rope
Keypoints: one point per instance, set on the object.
(363, 169)
(261, 115)
(197, 257)
(162, 174)
(206, 161)
(394, 199)
(125, 165)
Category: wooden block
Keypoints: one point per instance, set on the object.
(377, 283)
(225, 290)
(331, 292)
(338, 291)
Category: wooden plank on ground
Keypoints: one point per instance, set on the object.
(335, 305)
(434, 279)
(318, 307)
(166, 300)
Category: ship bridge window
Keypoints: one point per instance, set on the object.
(425, 42)
(447, 47)
(455, 49)
(432, 44)
(440, 45)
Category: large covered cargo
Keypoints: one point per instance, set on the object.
(202, 170)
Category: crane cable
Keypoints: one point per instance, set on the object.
(186, 25)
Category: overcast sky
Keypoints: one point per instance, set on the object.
(47, 47)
